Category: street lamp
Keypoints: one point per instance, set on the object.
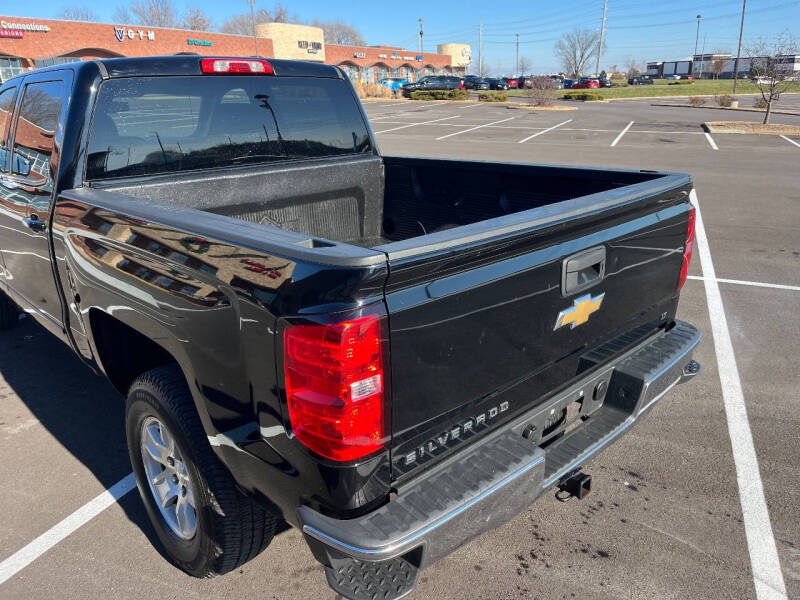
(696, 38)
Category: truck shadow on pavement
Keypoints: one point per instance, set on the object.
(82, 411)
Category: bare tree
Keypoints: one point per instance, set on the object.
(122, 15)
(154, 13)
(543, 90)
(635, 67)
(195, 19)
(717, 67)
(77, 13)
(575, 50)
(525, 65)
(771, 67)
(339, 32)
(243, 25)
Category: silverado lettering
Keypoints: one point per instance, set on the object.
(455, 433)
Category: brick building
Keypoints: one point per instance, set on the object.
(29, 43)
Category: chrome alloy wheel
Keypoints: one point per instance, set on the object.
(169, 478)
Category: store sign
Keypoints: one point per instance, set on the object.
(359, 55)
(419, 58)
(383, 56)
(192, 42)
(33, 27)
(121, 33)
(11, 33)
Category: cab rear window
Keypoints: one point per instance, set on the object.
(153, 125)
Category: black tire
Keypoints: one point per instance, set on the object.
(231, 528)
(9, 313)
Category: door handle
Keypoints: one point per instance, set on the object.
(583, 270)
(34, 223)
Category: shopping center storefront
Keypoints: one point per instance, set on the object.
(30, 43)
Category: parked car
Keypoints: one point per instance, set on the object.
(585, 83)
(476, 83)
(272, 302)
(497, 84)
(640, 80)
(558, 81)
(605, 82)
(568, 83)
(393, 83)
(674, 77)
(512, 82)
(434, 82)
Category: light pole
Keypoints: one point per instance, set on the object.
(252, 4)
(600, 43)
(696, 39)
(420, 34)
(480, 49)
(738, 51)
(517, 71)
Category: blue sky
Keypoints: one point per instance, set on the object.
(634, 28)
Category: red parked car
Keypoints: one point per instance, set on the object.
(511, 81)
(585, 83)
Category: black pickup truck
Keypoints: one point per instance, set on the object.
(392, 354)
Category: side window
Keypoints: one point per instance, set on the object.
(36, 131)
(7, 98)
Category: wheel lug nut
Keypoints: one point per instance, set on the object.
(170, 461)
(183, 490)
(175, 479)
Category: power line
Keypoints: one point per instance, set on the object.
(715, 18)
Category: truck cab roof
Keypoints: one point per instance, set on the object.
(178, 65)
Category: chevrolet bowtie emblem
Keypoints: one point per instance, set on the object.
(580, 311)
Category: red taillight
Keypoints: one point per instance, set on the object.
(687, 249)
(461, 85)
(335, 386)
(246, 66)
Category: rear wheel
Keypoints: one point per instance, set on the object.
(9, 313)
(207, 526)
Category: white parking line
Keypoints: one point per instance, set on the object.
(465, 123)
(473, 128)
(418, 109)
(790, 141)
(711, 141)
(775, 286)
(530, 137)
(469, 106)
(767, 576)
(621, 133)
(26, 555)
(671, 132)
(414, 124)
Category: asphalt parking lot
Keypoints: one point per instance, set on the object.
(667, 517)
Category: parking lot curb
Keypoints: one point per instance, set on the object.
(774, 111)
(713, 127)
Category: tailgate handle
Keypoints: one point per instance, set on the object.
(583, 270)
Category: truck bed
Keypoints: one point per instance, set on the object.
(375, 202)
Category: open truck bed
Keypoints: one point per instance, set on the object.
(376, 201)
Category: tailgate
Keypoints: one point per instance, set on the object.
(486, 321)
